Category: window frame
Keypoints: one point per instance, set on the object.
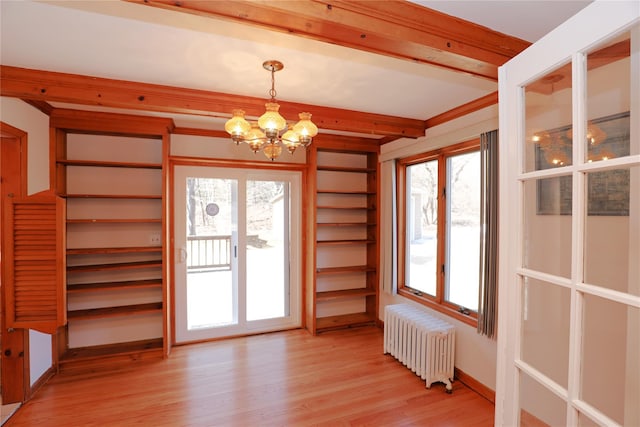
(436, 302)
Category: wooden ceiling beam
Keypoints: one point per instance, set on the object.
(463, 110)
(36, 85)
(393, 28)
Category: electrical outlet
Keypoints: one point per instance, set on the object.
(154, 239)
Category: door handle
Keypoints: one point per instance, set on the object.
(182, 255)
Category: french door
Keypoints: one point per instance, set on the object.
(569, 320)
(237, 240)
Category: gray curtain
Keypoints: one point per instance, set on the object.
(388, 240)
(488, 298)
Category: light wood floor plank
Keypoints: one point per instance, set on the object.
(340, 378)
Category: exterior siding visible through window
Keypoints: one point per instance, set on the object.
(439, 229)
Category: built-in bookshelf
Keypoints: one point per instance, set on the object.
(115, 256)
(345, 278)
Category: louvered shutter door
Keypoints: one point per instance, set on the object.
(35, 263)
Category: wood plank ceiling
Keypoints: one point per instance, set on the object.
(393, 28)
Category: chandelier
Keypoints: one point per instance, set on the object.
(557, 147)
(266, 134)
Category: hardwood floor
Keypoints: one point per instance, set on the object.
(292, 378)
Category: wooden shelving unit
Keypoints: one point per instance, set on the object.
(117, 294)
(343, 278)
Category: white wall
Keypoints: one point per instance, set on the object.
(475, 354)
(40, 357)
(28, 119)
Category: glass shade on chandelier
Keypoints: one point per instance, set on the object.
(271, 133)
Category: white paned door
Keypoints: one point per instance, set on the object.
(237, 240)
(569, 283)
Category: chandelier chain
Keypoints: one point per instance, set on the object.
(272, 92)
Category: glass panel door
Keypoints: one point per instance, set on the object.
(267, 281)
(569, 306)
(212, 295)
(235, 272)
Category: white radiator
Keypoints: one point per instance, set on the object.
(422, 342)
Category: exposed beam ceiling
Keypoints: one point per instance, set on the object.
(394, 28)
(39, 86)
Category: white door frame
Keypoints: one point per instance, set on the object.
(594, 24)
(294, 317)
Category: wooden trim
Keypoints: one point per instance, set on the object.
(110, 164)
(226, 163)
(57, 152)
(437, 306)
(46, 376)
(167, 238)
(304, 200)
(171, 255)
(463, 110)
(346, 144)
(43, 106)
(103, 357)
(434, 302)
(475, 385)
(324, 140)
(310, 235)
(441, 227)
(392, 28)
(201, 132)
(79, 121)
(87, 90)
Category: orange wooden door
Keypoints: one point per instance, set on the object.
(13, 342)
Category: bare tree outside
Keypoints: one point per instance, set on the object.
(462, 227)
(201, 192)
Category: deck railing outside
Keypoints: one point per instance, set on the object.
(209, 252)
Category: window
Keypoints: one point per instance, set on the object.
(439, 229)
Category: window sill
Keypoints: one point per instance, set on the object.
(464, 318)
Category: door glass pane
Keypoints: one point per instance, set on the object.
(611, 233)
(463, 230)
(609, 100)
(547, 212)
(538, 406)
(267, 240)
(610, 354)
(548, 121)
(422, 226)
(545, 326)
(211, 295)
